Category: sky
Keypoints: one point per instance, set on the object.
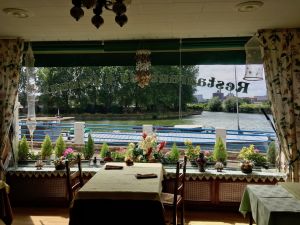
(226, 73)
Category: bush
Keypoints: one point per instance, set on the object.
(23, 149)
(60, 146)
(89, 148)
(220, 153)
(104, 150)
(47, 147)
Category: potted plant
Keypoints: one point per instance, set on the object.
(252, 154)
(220, 152)
(172, 156)
(192, 152)
(89, 148)
(23, 149)
(60, 146)
(47, 148)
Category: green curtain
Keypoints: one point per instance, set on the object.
(10, 61)
(281, 58)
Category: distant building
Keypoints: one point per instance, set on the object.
(218, 94)
(229, 95)
(199, 98)
(261, 98)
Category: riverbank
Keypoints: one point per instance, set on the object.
(131, 116)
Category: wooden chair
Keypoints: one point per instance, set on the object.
(176, 200)
(74, 179)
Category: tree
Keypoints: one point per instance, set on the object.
(214, 104)
(230, 104)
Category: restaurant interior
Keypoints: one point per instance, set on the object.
(69, 33)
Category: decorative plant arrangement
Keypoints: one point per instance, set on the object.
(47, 147)
(192, 152)
(60, 146)
(89, 148)
(220, 152)
(23, 151)
(173, 155)
(272, 153)
(252, 154)
(68, 154)
(105, 153)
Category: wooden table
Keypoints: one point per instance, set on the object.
(118, 197)
(270, 205)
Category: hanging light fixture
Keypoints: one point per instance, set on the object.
(117, 6)
(254, 62)
(143, 64)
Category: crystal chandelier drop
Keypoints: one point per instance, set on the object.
(117, 6)
(143, 64)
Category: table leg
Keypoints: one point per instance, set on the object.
(250, 219)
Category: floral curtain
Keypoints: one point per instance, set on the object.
(10, 61)
(281, 58)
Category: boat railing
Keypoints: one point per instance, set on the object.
(121, 135)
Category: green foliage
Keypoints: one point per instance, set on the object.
(198, 106)
(104, 150)
(230, 104)
(47, 147)
(89, 148)
(192, 152)
(271, 153)
(250, 153)
(220, 152)
(118, 156)
(215, 105)
(23, 149)
(102, 90)
(60, 146)
(174, 154)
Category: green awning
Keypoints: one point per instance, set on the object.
(122, 53)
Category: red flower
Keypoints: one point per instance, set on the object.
(144, 135)
(161, 145)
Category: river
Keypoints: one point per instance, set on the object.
(247, 121)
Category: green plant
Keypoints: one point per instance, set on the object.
(23, 149)
(252, 154)
(104, 150)
(220, 152)
(174, 154)
(46, 147)
(60, 146)
(271, 153)
(89, 148)
(192, 152)
(118, 156)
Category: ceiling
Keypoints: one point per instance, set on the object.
(50, 20)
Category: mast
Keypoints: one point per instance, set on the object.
(237, 99)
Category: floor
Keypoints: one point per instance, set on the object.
(59, 216)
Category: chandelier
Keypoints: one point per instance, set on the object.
(117, 6)
(143, 65)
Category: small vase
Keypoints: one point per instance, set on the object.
(201, 161)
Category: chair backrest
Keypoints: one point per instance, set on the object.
(179, 181)
(74, 179)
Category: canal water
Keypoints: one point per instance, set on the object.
(247, 121)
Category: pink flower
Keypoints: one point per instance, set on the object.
(69, 153)
(161, 145)
(256, 150)
(207, 153)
